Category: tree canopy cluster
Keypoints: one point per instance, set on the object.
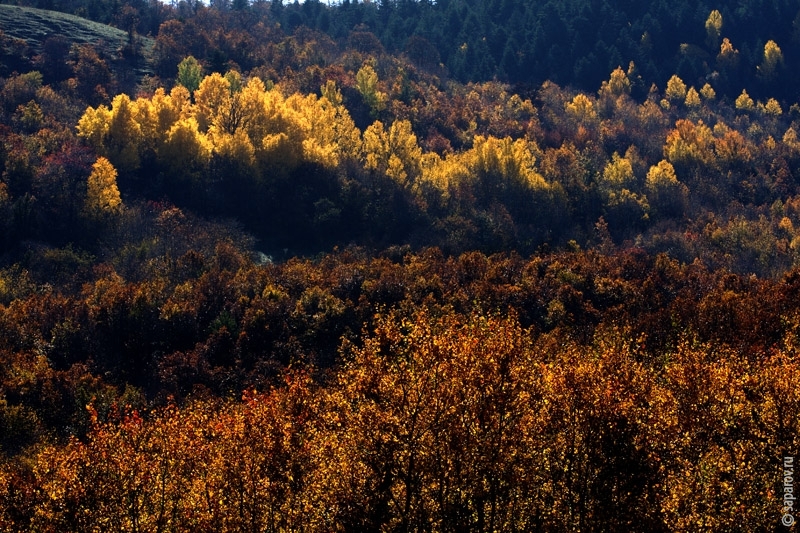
(408, 391)
(573, 43)
(327, 269)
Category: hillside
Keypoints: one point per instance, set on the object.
(573, 43)
(35, 26)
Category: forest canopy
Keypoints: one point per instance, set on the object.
(395, 265)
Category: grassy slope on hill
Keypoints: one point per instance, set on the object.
(36, 25)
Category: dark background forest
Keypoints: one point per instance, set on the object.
(574, 43)
(398, 266)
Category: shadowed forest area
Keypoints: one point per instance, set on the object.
(398, 266)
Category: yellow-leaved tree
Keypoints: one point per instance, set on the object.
(581, 109)
(676, 89)
(728, 57)
(440, 176)
(102, 194)
(618, 173)
(93, 126)
(666, 194)
(505, 174)
(124, 134)
(186, 149)
(617, 85)
(328, 132)
(773, 108)
(622, 204)
(279, 141)
(744, 102)
(116, 133)
(713, 28)
(234, 123)
(692, 98)
(158, 114)
(214, 103)
(708, 92)
(505, 160)
(367, 85)
(772, 61)
(690, 144)
(394, 152)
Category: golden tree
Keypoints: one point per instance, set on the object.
(102, 194)
(773, 108)
(115, 133)
(394, 152)
(332, 93)
(329, 134)
(618, 172)
(158, 114)
(618, 84)
(692, 98)
(186, 149)
(581, 108)
(713, 28)
(773, 59)
(124, 134)
(708, 92)
(728, 57)
(689, 143)
(744, 102)
(615, 185)
(667, 195)
(93, 126)
(367, 85)
(505, 162)
(214, 101)
(676, 89)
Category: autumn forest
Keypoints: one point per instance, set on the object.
(399, 266)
